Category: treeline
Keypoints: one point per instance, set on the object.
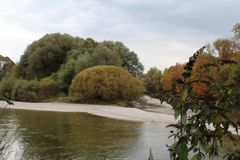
(48, 67)
(59, 65)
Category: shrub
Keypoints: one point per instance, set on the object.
(6, 86)
(108, 83)
(48, 88)
(27, 91)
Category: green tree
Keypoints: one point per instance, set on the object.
(101, 56)
(130, 60)
(6, 66)
(43, 57)
(153, 83)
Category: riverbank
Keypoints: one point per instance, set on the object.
(108, 111)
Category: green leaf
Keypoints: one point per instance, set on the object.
(177, 112)
(184, 94)
(183, 151)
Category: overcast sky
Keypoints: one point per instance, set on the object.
(161, 32)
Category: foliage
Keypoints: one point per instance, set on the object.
(201, 88)
(6, 86)
(107, 83)
(153, 83)
(65, 75)
(48, 88)
(101, 56)
(7, 66)
(65, 56)
(129, 59)
(132, 64)
(193, 131)
(44, 56)
(26, 91)
(170, 77)
(30, 90)
(225, 48)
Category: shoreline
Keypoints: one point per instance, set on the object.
(107, 111)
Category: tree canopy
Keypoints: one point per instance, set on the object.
(44, 56)
(65, 56)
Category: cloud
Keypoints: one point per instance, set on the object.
(161, 32)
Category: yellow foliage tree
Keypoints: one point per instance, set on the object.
(106, 83)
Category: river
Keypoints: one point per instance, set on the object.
(58, 136)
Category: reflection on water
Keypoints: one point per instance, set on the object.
(52, 135)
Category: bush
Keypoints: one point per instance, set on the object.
(6, 86)
(48, 88)
(26, 91)
(107, 83)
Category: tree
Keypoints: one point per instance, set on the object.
(236, 31)
(6, 66)
(225, 48)
(106, 83)
(153, 83)
(44, 57)
(193, 133)
(101, 56)
(129, 59)
(200, 88)
(131, 62)
(170, 77)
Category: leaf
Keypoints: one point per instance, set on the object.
(185, 108)
(177, 112)
(183, 151)
(184, 94)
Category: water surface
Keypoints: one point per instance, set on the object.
(55, 135)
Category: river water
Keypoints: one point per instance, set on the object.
(58, 136)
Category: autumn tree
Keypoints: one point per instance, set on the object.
(170, 77)
(228, 47)
(225, 48)
(106, 83)
(200, 88)
(192, 133)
